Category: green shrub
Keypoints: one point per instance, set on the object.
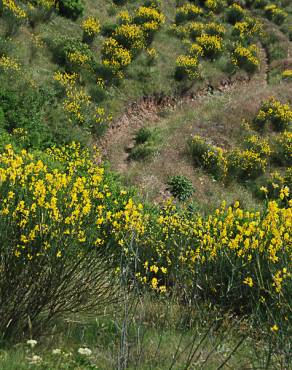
(22, 108)
(180, 187)
(145, 143)
(143, 135)
(71, 8)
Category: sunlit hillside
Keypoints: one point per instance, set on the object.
(145, 184)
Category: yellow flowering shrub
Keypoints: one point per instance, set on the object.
(130, 36)
(75, 54)
(196, 50)
(273, 112)
(213, 29)
(9, 64)
(90, 27)
(215, 6)
(149, 18)
(192, 29)
(277, 186)
(55, 214)
(282, 152)
(235, 13)
(258, 145)
(230, 257)
(14, 9)
(78, 104)
(187, 67)
(276, 14)
(208, 156)
(187, 12)
(115, 57)
(246, 57)
(212, 45)
(287, 74)
(246, 164)
(247, 29)
(62, 209)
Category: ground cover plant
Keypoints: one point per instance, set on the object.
(145, 184)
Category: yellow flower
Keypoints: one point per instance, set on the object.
(274, 328)
(248, 281)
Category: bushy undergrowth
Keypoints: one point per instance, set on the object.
(61, 210)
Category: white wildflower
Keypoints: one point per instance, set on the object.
(31, 342)
(84, 351)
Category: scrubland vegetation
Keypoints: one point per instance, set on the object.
(145, 184)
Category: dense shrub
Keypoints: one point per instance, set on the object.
(115, 57)
(22, 110)
(282, 149)
(212, 45)
(146, 140)
(275, 14)
(130, 36)
(273, 112)
(187, 67)
(235, 13)
(187, 12)
(91, 28)
(245, 164)
(246, 58)
(257, 145)
(208, 156)
(52, 227)
(180, 187)
(71, 8)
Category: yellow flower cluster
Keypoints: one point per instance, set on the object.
(246, 164)
(90, 26)
(149, 18)
(274, 13)
(131, 35)
(78, 104)
(248, 28)
(276, 185)
(287, 74)
(115, 56)
(9, 64)
(241, 164)
(187, 66)
(246, 57)
(258, 145)
(12, 7)
(76, 99)
(212, 45)
(274, 112)
(214, 5)
(78, 58)
(187, 12)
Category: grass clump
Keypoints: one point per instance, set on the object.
(146, 143)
